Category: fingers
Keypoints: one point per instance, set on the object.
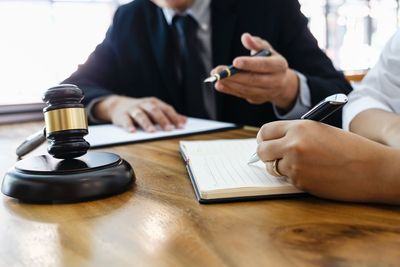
(145, 112)
(268, 166)
(253, 79)
(272, 146)
(218, 69)
(256, 64)
(160, 113)
(157, 116)
(273, 130)
(280, 168)
(253, 95)
(125, 122)
(141, 118)
(266, 65)
(178, 120)
(152, 111)
(271, 150)
(254, 43)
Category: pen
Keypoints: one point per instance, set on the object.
(318, 113)
(231, 70)
(31, 142)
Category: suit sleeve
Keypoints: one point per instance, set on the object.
(97, 77)
(301, 50)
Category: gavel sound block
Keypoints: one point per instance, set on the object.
(70, 174)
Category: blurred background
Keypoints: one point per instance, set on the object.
(37, 38)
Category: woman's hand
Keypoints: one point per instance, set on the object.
(331, 163)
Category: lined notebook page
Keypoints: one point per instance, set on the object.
(222, 164)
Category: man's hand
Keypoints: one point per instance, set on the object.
(262, 79)
(331, 163)
(143, 112)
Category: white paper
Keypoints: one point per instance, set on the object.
(102, 135)
(223, 164)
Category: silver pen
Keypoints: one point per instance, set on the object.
(31, 142)
(321, 111)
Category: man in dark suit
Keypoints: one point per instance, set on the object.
(150, 67)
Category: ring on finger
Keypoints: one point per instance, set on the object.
(275, 168)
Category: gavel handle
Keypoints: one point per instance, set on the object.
(32, 142)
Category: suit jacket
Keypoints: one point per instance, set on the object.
(135, 60)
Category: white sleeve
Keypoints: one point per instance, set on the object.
(380, 88)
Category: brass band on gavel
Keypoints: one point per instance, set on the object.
(65, 119)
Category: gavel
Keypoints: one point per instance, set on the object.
(66, 124)
(70, 173)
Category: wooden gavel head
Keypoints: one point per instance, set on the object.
(66, 122)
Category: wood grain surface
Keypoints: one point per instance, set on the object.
(160, 223)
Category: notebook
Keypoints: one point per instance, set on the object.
(219, 172)
(107, 134)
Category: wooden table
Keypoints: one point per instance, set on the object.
(160, 223)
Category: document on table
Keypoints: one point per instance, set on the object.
(219, 171)
(105, 135)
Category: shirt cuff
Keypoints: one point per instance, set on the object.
(303, 101)
(90, 111)
(359, 105)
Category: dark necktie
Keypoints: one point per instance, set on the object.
(190, 67)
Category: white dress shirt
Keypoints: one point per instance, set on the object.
(380, 89)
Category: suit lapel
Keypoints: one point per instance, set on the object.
(162, 46)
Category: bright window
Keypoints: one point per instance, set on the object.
(352, 32)
(43, 41)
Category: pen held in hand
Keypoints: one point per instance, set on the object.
(321, 111)
(231, 70)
